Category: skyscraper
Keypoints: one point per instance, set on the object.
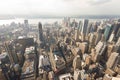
(83, 29)
(40, 32)
(111, 37)
(76, 34)
(77, 63)
(112, 59)
(89, 29)
(26, 22)
(84, 26)
(116, 28)
(98, 35)
(80, 26)
(26, 25)
(115, 32)
(108, 31)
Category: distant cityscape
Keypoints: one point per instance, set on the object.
(60, 48)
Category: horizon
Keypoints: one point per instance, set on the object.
(47, 17)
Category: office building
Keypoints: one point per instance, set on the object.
(111, 38)
(84, 47)
(77, 63)
(116, 29)
(89, 29)
(77, 35)
(26, 25)
(110, 48)
(84, 26)
(40, 32)
(107, 32)
(98, 34)
(112, 59)
(80, 26)
(83, 29)
(92, 38)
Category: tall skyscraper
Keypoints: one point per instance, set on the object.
(76, 34)
(84, 26)
(40, 32)
(83, 29)
(92, 38)
(115, 32)
(66, 21)
(26, 25)
(100, 50)
(116, 28)
(80, 26)
(118, 42)
(108, 31)
(98, 34)
(117, 46)
(89, 29)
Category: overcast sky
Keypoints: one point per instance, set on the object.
(59, 7)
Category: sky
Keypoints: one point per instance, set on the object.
(21, 8)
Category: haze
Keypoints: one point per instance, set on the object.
(18, 8)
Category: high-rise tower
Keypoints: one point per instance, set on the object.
(83, 29)
(108, 31)
(84, 26)
(40, 32)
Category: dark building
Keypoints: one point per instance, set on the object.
(11, 53)
(116, 29)
(26, 23)
(21, 44)
(107, 32)
(40, 32)
(89, 29)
